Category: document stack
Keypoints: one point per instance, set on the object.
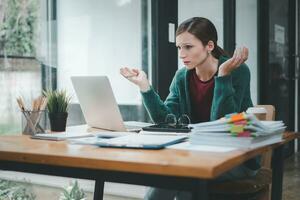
(240, 130)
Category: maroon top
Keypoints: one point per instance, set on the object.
(201, 93)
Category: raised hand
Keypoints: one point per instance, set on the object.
(137, 77)
(240, 56)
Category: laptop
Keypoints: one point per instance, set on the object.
(99, 105)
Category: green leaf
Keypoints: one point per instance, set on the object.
(19, 29)
(10, 190)
(58, 101)
(73, 192)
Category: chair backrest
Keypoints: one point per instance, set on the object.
(267, 156)
(270, 111)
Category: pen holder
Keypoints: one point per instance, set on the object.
(33, 122)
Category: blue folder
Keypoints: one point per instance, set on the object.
(142, 141)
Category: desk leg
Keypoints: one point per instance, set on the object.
(98, 191)
(277, 173)
(200, 191)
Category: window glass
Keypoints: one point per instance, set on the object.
(97, 38)
(20, 70)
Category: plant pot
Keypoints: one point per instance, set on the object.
(58, 121)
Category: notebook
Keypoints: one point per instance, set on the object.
(61, 136)
(99, 105)
(141, 141)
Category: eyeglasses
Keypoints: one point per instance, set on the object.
(182, 122)
(171, 124)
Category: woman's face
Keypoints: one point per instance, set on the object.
(191, 50)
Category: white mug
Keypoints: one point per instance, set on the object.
(259, 112)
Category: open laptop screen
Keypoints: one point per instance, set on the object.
(98, 103)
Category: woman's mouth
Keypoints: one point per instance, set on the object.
(186, 62)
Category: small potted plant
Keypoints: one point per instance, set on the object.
(58, 104)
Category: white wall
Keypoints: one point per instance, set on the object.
(212, 10)
(246, 35)
(97, 38)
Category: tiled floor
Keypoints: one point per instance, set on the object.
(291, 180)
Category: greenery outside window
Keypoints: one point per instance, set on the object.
(18, 21)
(20, 72)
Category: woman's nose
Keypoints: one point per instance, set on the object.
(181, 54)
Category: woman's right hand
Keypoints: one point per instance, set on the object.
(137, 77)
(240, 56)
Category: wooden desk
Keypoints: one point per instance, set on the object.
(168, 168)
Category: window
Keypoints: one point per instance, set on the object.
(20, 71)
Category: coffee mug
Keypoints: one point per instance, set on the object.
(259, 112)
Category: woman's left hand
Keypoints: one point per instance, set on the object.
(240, 56)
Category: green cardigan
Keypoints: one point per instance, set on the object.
(231, 94)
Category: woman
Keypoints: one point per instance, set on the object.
(210, 86)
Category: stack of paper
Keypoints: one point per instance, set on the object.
(237, 130)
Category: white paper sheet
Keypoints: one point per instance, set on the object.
(192, 147)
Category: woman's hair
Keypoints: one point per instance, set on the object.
(204, 30)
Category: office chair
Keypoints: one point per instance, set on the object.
(254, 188)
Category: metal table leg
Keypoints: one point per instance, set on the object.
(99, 187)
(200, 191)
(277, 173)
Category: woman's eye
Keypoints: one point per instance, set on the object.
(188, 46)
